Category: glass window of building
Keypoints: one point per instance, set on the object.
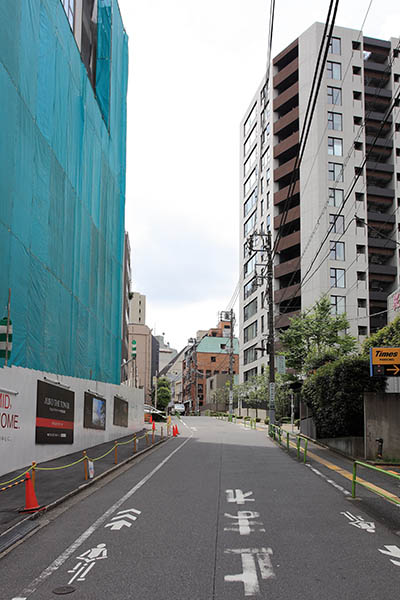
(248, 375)
(262, 207)
(334, 95)
(250, 309)
(337, 278)
(250, 120)
(69, 7)
(336, 223)
(265, 158)
(250, 202)
(250, 224)
(335, 121)
(249, 266)
(250, 332)
(333, 70)
(249, 288)
(335, 171)
(335, 146)
(268, 175)
(248, 184)
(336, 197)
(250, 141)
(335, 46)
(249, 355)
(250, 162)
(338, 305)
(336, 251)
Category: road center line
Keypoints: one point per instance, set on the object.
(60, 560)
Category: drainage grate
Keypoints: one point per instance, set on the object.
(16, 534)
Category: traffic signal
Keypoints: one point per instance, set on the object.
(133, 351)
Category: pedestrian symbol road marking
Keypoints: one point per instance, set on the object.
(359, 522)
(120, 520)
(392, 551)
(251, 557)
(87, 560)
(244, 522)
(238, 497)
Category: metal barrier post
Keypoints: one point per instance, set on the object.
(134, 444)
(298, 446)
(152, 437)
(116, 454)
(85, 465)
(287, 441)
(147, 438)
(280, 435)
(353, 487)
(305, 450)
(33, 473)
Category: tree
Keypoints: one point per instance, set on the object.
(316, 333)
(163, 393)
(387, 336)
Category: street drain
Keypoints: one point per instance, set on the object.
(65, 589)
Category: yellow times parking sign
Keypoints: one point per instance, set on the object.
(385, 362)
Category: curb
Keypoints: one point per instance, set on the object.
(71, 494)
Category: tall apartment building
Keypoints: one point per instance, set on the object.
(137, 309)
(358, 265)
(125, 352)
(63, 82)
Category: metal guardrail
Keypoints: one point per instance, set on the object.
(371, 487)
(277, 433)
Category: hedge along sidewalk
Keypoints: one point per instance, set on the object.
(51, 485)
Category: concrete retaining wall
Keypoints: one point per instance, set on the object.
(18, 405)
(382, 420)
(350, 446)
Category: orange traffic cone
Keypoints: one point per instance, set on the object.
(151, 418)
(154, 426)
(177, 430)
(31, 503)
(174, 430)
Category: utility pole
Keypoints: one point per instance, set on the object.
(8, 326)
(196, 398)
(231, 352)
(271, 337)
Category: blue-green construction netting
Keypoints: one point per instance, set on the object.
(62, 189)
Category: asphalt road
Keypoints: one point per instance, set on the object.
(219, 513)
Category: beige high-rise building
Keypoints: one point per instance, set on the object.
(140, 368)
(137, 308)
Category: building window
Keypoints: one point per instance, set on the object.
(250, 332)
(338, 305)
(335, 46)
(333, 70)
(336, 223)
(213, 359)
(248, 184)
(250, 309)
(336, 251)
(335, 121)
(334, 95)
(361, 276)
(249, 288)
(249, 355)
(361, 303)
(265, 158)
(362, 330)
(337, 278)
(248, 375)
(69, 7)
(335, 172)
(250, 162)
(250, 119)
(250, 224)
(335, 146)
(262, 324)
(249, 266)
(336, 197)
(360, 249)
(250, 140)
(262, 207)
(250, 202)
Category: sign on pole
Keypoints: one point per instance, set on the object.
(280, 364)
(5, 341)
(385, 362)
(133, 351)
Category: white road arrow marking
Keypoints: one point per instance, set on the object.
(118, 525)
(120, 520)
(392, 551)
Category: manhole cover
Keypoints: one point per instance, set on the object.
(65, 589)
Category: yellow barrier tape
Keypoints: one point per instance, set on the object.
(102, 456)
(7, 487)
(58, 468)
(15, 478)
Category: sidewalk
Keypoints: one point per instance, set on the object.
(52, 485)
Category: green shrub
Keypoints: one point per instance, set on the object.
(266, 420)
(335, 396)
(285, 420)
(297, 422)
(258, 419)
(239, 417)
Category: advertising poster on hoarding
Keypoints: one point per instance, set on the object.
(120, 412)
(54, 414)
(94, 412)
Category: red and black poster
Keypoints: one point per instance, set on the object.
(54, 414)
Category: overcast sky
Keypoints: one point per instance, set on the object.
(193, 69)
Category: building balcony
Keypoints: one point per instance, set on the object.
(375, 269)
(290, 240)
(289, 119)
(282, 194)
(285, 268)
(287, 144)
(285, 73)
(293, 291)
(378, 296)
(291, 215)
(284, 320)
(287, 99)
(376, 91)
(371, 65)
(284, 170)
(374, 166)
(286, 56)
(376, 217)
(381, 243)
